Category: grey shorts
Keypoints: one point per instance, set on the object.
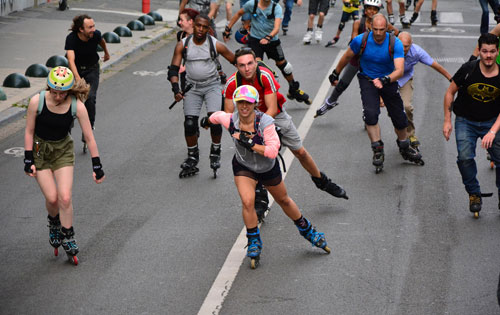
(210, 94)
(289, 135)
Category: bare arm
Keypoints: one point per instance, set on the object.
(393, 29)
(235, 18)
(72, 64)
(225, 52)
(176, 61)
(355, 29)
(228, 105)
(448, 100)
(29, 132)
(105, 48)
(271, 101)
(439, 68)
(182, 6)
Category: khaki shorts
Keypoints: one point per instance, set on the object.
(53, 154)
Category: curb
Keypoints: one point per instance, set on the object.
(12, 113)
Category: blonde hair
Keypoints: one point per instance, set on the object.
(80, 89)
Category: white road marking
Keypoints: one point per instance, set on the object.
(451, 17)
(136, 13)
(444, 36)
(222, 284)
(16, 151)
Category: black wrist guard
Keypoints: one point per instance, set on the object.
(385, 80)
(333, 77)
(246, 141)
(175, 88)
(227, 32)
(472, 58)
(97, 167)
(268, 37)
(173, 71)
(28, 161)
(205, 122)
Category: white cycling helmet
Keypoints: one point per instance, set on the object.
(373, 3)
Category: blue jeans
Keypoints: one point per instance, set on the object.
(485, 18)
(288, 12)
(466, 133)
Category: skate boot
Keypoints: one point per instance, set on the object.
(308, 37)
(404, 21)
(316, 238)
(189, 165)
(318, 35)
(254, 248)
(475, 203)
(215, 158)
(408, 4)
(332, 42)
(378, 156)
(261, 202)
(414, 142)
(409, 153)
(434, 19)
(295, 93)
(69, 244)
(325, 107)
(414, 17)
(324, 183)
(55, 235)
(332, 3)
(391, 19)
(284, 28)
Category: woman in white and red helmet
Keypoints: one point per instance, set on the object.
(49, 154)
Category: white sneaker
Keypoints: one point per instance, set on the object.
(318, 35)
(308, 37)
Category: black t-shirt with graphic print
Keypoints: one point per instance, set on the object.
(478, 97)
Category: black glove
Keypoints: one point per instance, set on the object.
(333, 77)
(28, 161)
(246, 141)
(385, 80)
(472, 58)
(226, 33)
(205, 122)
(97, 166)
(175, 88)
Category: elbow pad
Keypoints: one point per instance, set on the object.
(173, 71)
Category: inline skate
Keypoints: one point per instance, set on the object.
(215, 159)
(409, 153)
(69, 244)
(254, 248)
(324, 183)
(294, 92)
(378, 156)
(55, 235)
(316, 238)
(189, 165)
(261, 202)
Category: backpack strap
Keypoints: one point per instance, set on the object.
(254, 12)
(364, 40)
(213, 51)
(41, 100)
(392, 43)
(471, 66)
(184, 50)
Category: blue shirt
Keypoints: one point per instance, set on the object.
(376, 62)
(260, 24)
(415, 55)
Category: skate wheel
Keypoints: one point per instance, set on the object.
(254, 263)
(307, 43)
(421, 163)
(476, 215)
(215, 174)
(74, 260)
(327, 249)
(56, 251)
(378, 170)
(308, 102)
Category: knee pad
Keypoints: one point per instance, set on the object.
(215, 130)
(341, 26)
(286, 68)
(370, 117)
(191, 126)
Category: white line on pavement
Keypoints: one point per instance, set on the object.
(444, 36)
(136, 13)
(222, 284)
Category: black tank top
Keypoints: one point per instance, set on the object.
(51, 126)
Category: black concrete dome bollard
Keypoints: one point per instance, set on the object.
(146, 20)
(56, 61)
(37, 70)
(123, 31)
(3, 96)
(111, 38)
(136, 25)
(156, 16)
(16, 80)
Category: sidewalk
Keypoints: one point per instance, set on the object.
(33, 35)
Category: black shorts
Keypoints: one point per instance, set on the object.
(316, 6)
(269, 178)
(273, 50)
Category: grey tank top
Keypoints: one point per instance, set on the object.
(200, 68)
